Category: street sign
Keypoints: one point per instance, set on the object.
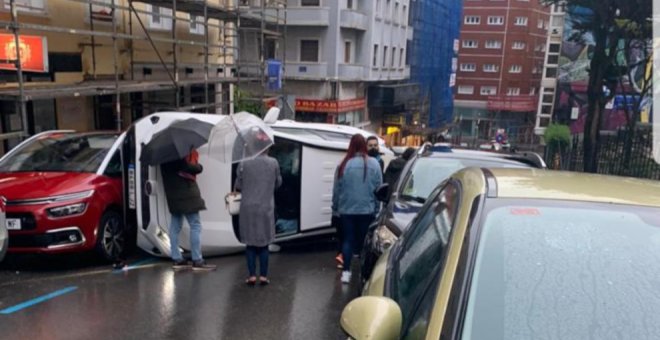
(33, 50)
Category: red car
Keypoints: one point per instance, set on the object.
(63, 193)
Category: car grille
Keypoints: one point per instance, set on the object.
(28, 222)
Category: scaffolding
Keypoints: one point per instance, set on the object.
(234, 20)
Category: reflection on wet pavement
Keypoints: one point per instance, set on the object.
(303, 301)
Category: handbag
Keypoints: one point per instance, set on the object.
(233, 203)
(233, 200)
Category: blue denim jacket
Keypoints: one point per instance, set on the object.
(353, 194)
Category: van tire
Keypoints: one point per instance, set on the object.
(111, 236)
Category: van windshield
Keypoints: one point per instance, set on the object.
(63, 152)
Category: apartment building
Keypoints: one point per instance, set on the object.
(502, 49)
(336, 49)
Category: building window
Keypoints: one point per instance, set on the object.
(196, 24)
(551, 72)
(384, 56)
(518, 45)
(347, 52)
(468, 67)
(491, 68)
(401, 57)
(532, 91)
(554, 48)
(472, 20)
(157, 17)
(470, 44)
(34, 6)
(488, 90)
(520, 21)
(310, 2)
(404, 21)
(515, 69)
(396, 12)
(513, 91)
(540, 24)
(493, 44)
(553, 59)
(535, 70)
(393, 55)
(375, 61)
(388, 9)
(378, 8)
(496, 20)
(349, 4)
(465, 89)
(309, 51)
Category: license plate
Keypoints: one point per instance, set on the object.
(13, 224)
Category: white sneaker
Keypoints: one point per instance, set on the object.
(274, 248)
(345, 277)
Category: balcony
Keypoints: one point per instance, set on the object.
(351, 72)
(308, 16)
(353, 20)
(303, 70)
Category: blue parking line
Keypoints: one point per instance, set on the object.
(35, 301)
(137, 264)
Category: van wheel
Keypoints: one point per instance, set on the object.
(110, 241)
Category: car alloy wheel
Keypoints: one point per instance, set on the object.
(111, 235)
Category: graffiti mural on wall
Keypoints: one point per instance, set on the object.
(573, 78)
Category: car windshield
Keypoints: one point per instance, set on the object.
(550, 269)
(63, 152)
(427, 172)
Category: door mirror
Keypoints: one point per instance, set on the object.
(383, 192)
(372, 317)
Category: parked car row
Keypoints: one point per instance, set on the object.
(67, 191)
(513, 253)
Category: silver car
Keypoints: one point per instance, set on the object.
(4, 235)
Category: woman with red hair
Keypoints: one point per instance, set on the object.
(353, 199)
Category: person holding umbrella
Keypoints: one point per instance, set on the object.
(174, 149)
(257, 179)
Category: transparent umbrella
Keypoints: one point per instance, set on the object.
(239, 137)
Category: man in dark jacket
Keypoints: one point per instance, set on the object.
(396, 166)
(373, 150)
(185, 200)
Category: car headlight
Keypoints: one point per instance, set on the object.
(384, 238)
(68, 210)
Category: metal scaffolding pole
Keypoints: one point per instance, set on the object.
(19, 68)
(116, 66)
(91, 26)
(175, 52)
(206, 56)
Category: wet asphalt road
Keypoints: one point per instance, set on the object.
(151, 301)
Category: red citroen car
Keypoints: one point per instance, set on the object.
(63, 193)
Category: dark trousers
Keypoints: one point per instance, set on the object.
(251, 253)
(336, 223)
(355, 229)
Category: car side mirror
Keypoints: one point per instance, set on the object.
(372, 317)
(382, 193)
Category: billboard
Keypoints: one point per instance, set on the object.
(33, 51)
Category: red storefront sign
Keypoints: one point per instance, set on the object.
(330, 106)
(33, 49)
(325, 106)
(512, 103)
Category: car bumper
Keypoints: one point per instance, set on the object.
(42, 234)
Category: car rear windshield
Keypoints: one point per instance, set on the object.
(427, 172)
(60, 153)
(553, 270)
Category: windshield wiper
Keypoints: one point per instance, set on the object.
(413, 198)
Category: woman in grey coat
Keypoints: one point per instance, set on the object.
(257, 180)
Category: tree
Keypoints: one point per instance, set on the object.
(557, 139)
(599, 18)
(242, 102)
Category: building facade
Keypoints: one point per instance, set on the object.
(502, 50)
(336, 49)
(102, 64)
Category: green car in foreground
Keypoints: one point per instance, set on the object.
(520, 254)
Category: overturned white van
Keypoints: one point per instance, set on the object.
(308, 155)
